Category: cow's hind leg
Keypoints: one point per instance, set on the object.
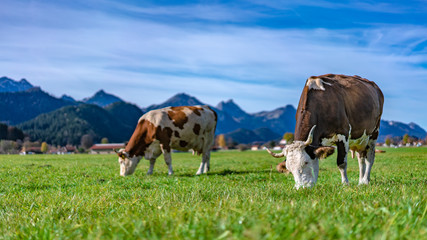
(205, 164)
(342, 160)
(361, 156)
(369, 160)
(168, 161)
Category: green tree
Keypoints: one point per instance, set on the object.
(104, 140)
(405, 139)
(13, 133)
(220, 141)
(44, 147)
(271, 144)
(289, 137)
(86, 141)
(388, 141)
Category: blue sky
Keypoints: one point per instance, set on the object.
(258, 53)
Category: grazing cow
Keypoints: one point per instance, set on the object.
(335, 110)
(159, 131)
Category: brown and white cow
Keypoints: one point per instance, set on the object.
(339, 110)
(159, 131)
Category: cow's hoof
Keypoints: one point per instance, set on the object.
(363, 182)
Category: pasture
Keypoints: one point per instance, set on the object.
(243, 197)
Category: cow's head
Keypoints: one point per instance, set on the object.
(302, 160)
(127, 164)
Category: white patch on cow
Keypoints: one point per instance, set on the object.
(316, 84)
(153, 151)
(334, 139)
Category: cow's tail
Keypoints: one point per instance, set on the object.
(276, 155)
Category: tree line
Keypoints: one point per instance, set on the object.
(10, 133)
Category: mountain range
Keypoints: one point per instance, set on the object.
(10, 85)
(64, 120)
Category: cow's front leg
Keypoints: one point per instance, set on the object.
(168, 161)
(369, 160)
(204, 165)
(150, 170)
(342, 161)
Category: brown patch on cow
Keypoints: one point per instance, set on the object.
(281, 167)
(176, 133)
(164, 136)
(196, 110)
(324, 152)
(196, 129)
(178, 117)
(142, 137)
(145, 134)
(183, 143)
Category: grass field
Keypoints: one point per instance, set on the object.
(243, 197)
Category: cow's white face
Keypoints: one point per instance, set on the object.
(127, 164)
(304, 169)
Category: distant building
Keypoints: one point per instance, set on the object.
(67, 150)
(105, 148)
(30, 150)
(255, 147)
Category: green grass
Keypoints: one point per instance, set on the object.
(243, 197)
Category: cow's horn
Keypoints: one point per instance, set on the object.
(310, 136)
(276, 155)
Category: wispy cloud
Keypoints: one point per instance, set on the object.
(359, 5)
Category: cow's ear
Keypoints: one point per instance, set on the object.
(281, 167)
(324, 152)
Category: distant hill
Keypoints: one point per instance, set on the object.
(280, 120)
(242, 135)
(126, 113)
(394, 128)
(232, 109)
(265, 134)
(102, 99)
(67, 98)
(17, 107)
(10, 85)
(247, 136)
(68, 124)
